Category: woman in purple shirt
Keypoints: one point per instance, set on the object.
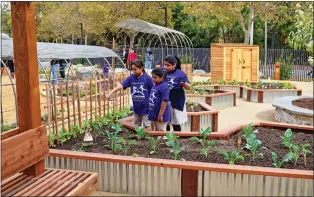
(140, 84)
(159, 112)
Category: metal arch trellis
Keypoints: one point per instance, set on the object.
(154, 35)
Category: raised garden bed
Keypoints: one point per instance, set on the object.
(255, 92)
(198, 175)
(200, 116)
(288, 110)
(218, 99)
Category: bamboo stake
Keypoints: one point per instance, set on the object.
(68, 104)
(62, 109)
(79, 102)
(120, 93)
(96, 97)
(90, 99)
(85, 82)
(48, 109)
(73, 97)
(104, 86)
(108, 102)
(55, 106)
(99, 98)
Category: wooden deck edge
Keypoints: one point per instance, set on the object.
(190, 165)
(87, 187)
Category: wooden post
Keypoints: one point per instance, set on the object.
(62, 109)
(277, 71)
(68, 105)
(189, 182)
(26, 65)
(79, 101)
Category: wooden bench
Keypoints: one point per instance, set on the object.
(22, 150)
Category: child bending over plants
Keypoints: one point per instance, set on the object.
(141, 85)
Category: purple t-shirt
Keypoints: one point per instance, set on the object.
(140, 90)
(158, 93)
(177, 94)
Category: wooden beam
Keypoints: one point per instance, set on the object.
(189, 182)
(26, 70)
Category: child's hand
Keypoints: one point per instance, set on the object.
(160, 118)
(108, 96)
(182, 83)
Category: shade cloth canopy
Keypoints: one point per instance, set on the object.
(60, 51)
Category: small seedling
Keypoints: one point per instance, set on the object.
(212, 91)
(247, 131)
(235, 82)
(117, 127)
(278, 163)
(253, 145)
(204, 133)
(155, 142)
(287, 138)
(170, 136)
(305, 152)
(195, 105)
(256, 86)
(140, 133)
(221, 82)
(205, 150)
(232, 156)
(295, 152)
(176, 149)
(124, 145)
(76, 129)
(52, 139)
(113, 139)
(87, 144)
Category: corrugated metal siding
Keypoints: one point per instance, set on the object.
(235, 184)
(244, 94)
(196, 98)
(233, 89)
(205, 121)
(269, 97)
(126, 178)
(220, 102)
(254, 96)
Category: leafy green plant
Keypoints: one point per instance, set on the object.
(277, 163)
(52, 140)
(286, 69)
(221, 82)
(113, 140)
(155, 142)
(247, 131)
(202, 91)
(256, 86)
(124, 145)
(204, 133)
(232, 156)
(212, 91)
(208, 146)
(140, 133)
(195, 105)
(287, 138)
(87, 144)
(176, 149)
(287, 85)
(305, 152)
(235, 82)
(253, 145)
(170, 136)
(76, 129)
(247, 84)
(189, 102)
(295, 152)
(82, 94)
(186, 59)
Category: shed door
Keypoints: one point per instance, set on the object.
(236, 69)
(246, 65)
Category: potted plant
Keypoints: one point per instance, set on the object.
(187, 65)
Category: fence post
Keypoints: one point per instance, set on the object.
(277, 71)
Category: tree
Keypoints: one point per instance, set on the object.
(5, 18)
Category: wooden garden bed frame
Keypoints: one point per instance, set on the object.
(255, 95)
(197, 120)
(188, 178)
(215, 100)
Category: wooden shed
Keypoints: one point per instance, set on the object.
(232, 61)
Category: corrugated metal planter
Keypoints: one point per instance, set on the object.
(159, 177)
(220, 100)
(196, 120)
(267, 95)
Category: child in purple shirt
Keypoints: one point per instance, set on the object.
(141, 85)
(159, 112)
(177, 81)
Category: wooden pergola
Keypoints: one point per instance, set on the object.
(24, 149)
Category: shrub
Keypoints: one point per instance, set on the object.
(286, 67)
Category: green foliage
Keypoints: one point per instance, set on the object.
(87, 144)
(287, 138)
(113, 140)
(221, 82)
(204, 133)
(247, 84)
(170, 136)
(52, 140)
(155, 142)
(247, 131)
(212, 91)
(305, 151)
(286, 67)
(295, 152)
(207, 148)
(176, 148)
(7, 127)
(253, 145)
(235, 82)
(124, 145)
(140, 133)
(186, 59)
(232, 156)
(277, 163)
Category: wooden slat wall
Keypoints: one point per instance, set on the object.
(255, 67)
(217, 67)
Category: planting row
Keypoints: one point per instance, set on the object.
(257, 146)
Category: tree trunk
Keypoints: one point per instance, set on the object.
(251, 22)
(72, 39)
(86, 39)
(273, 38)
